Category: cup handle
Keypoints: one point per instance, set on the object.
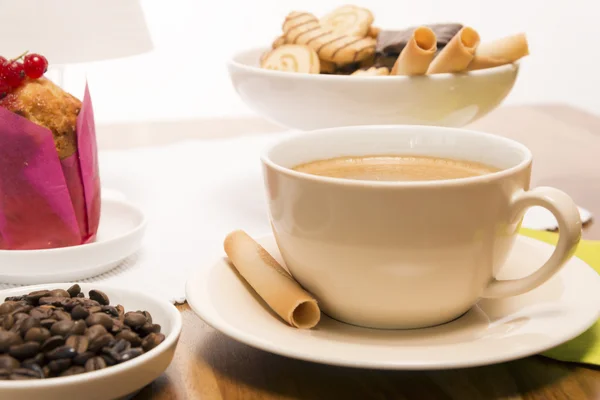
(569, 225)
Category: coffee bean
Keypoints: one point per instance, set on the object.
(35, 368)
(61, 352)
(15, 298)
(152, 340)
(53, 301)
(94, 331)
(80, 295)
(74, 370)
(47, 323)
(81, 359)
(121, 345)
(149, 328)
(74, 290)
(117, 326)
(99, 296)
(110, 360)
(7, 322)
(79, 312)
(100, 342)
(134, 319)
(59, 293)
(41, 313)
(28, 323)
(58, 366)
(78, 342)
(22, 310)
(25, 350)
(148, 316)
(7, 307)
(37, 334)
(38, 359)
(90, 303)
(8, 339)
(4, 374)
(24, 373)
(52, 343)
(79, 328)
(62, 315)
(8, 362)
(131, 353)
(99, 319)
(94, 364)
(34, 297)
(95, 309)
(131, 337)
(62, 328)
(121, 311)
(110, 310)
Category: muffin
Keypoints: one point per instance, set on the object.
(46, 104)
(49, 180)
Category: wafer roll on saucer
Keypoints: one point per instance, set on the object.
(418, 53)
(457, 54)
(271, 281)
(500, 52)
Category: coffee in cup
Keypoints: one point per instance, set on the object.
(367, 222)
(395, 168)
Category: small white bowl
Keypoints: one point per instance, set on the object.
(111, 382)
(312, 101)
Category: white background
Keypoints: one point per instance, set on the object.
(185, 75)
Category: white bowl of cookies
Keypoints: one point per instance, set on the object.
(342, 70)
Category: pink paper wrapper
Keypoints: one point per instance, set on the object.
(46, 202)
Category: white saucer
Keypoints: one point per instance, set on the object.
(493, 331)
(120, 233)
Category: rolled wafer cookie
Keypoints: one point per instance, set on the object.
(271, 282)
(348, 20)
(418, 53)
(292, 58)
(373, 71)
(304, 28)
(500, 52)
(457, 54)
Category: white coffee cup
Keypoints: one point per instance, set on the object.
(407, 254)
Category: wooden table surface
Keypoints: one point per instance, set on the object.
(208, 365)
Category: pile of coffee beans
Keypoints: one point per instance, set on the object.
(51, 333)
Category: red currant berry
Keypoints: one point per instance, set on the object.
(13, 74)
(35, 65)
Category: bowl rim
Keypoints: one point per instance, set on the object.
(50, 383)
(234, 62)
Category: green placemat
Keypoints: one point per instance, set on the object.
(585, 348)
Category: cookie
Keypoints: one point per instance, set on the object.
(348, 20)
(373, 71)
(279, 41)
(327, 67)
(292, 58)
(305, 28)
(373, 32)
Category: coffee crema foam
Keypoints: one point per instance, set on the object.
(395, 168)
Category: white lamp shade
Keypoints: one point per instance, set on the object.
(73, 31)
